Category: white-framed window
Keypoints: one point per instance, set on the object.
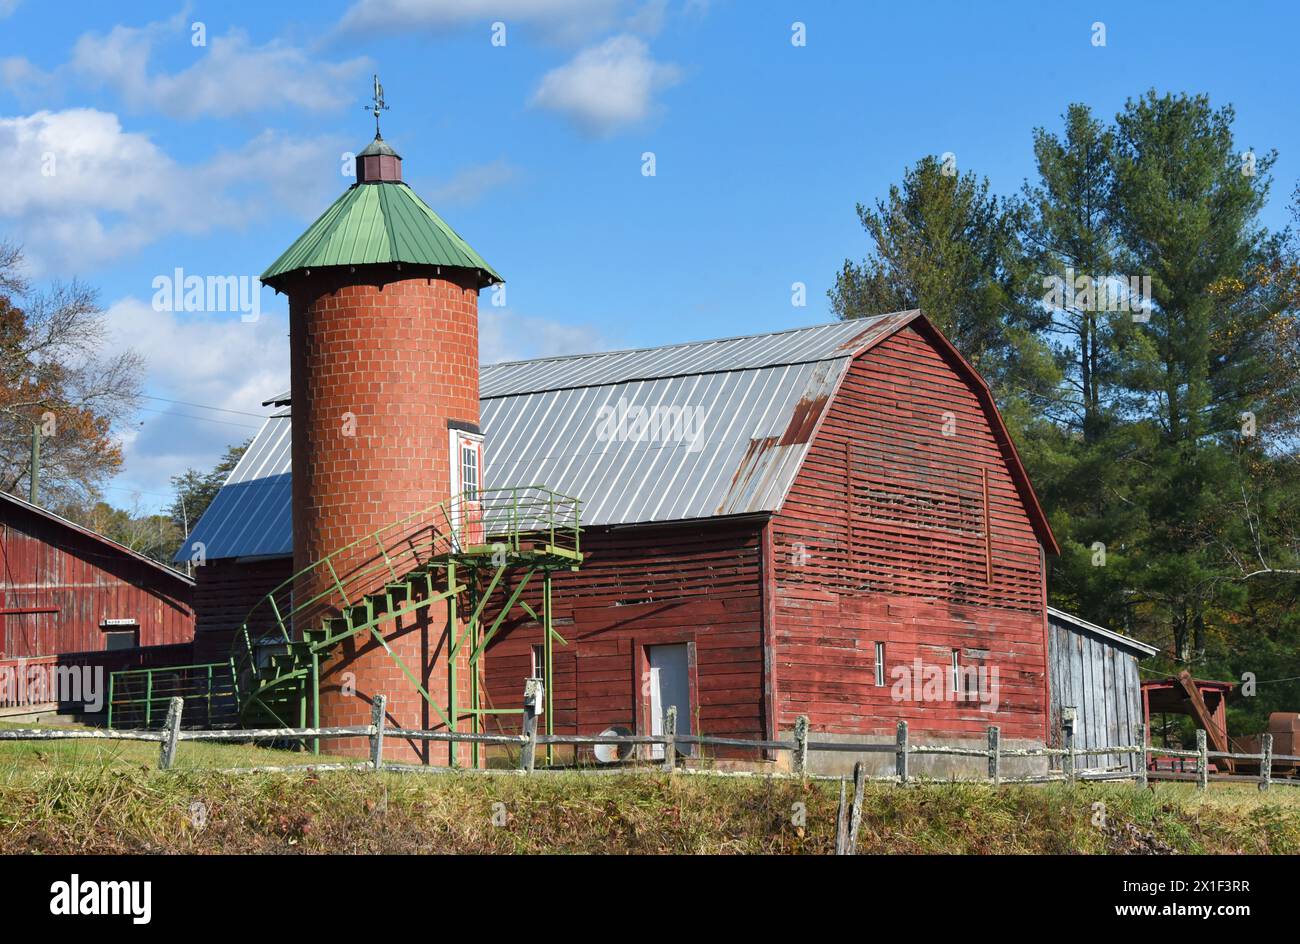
(956, 671)
(880, 665)
(539, 661)
(466, 464)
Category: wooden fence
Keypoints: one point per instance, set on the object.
(799, 747)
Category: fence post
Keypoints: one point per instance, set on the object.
(1265, 760)
(1067, 760)
(377, 717)
(900, 753)
(842, 823)
(171, 729)
(534, 692)
(995, 756)
(1202, 762)
(1141, 732)
(801, 745)
(670, 739)
(855, 812)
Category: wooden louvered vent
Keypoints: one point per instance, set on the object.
(919, 524)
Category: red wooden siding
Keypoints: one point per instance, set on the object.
(650, 585)
(897, 533)
(58, 584)
(224, 592)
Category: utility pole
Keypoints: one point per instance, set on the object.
(34, 484)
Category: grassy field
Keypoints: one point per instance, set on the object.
(58, 797)
(32, 756)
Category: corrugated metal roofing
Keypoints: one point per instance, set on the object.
(798, 345)
(250, 517)
(374, 223)
(662, 434)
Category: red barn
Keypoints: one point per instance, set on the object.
(70, 594)
(829, 521)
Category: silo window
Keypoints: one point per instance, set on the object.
(469, 482)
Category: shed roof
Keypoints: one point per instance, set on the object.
(736, 419)
(1141, 649)
(169, 573)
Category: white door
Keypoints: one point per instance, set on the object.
(670, 686)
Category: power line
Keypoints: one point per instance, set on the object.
(188, 416)
(203, 406)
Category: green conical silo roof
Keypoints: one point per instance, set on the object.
(379, 222)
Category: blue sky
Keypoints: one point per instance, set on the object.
(214, 157)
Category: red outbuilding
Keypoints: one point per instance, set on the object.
(68, 594)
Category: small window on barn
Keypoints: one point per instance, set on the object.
(121, 639)
(956, 671)
(538, 668)
(880, 664)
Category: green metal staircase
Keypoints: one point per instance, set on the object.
(478, 552)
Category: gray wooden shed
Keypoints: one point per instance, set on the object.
(1094, 671)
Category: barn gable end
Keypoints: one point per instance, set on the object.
(910, 524)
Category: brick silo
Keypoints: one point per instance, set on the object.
(383, 311)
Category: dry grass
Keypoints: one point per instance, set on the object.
(122, 807)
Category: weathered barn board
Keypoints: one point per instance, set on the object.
(687, 583)
(906, 526)
(62, 584)
(224, 592)
(1095, 672)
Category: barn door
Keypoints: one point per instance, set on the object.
(670, 685)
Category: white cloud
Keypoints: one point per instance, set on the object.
(76, 189)
(230, 75)
(228, 363)
(506, 336)
(606, 87)
(234, 76)
(563, 20)
(471, 183)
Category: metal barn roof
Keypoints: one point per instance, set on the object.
(734, 417)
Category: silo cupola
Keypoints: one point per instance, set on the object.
(379, 163)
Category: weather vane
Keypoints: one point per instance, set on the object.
(378, 106)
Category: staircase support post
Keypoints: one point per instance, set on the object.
(453, 652)
(315, 698)
(547, 652)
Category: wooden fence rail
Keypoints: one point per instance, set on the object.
(902, 749)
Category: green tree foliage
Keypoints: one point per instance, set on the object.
(195, 490)
(1139, 326)
(942, 243)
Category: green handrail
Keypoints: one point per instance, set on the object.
(414, 540)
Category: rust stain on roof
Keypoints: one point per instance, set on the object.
(804, 420)
(855, 342)
(742, 479)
